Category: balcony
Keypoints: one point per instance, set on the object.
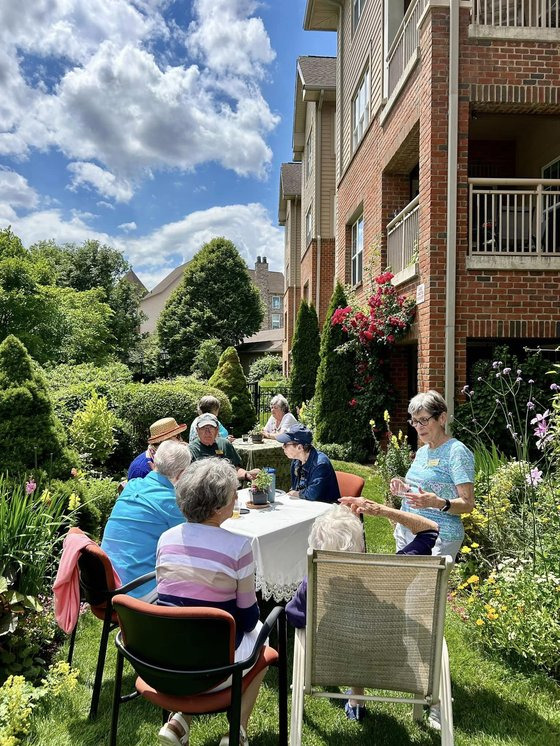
(403, 52)
(514, 224)
(402, 242)
(516, 19)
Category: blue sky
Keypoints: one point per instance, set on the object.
(151, 125)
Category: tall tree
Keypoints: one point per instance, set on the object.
(305, 355)
(229, 377)
(335, 378)
(215, 299)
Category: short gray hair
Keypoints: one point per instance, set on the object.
(208, 403)
(337, 530)
(280, 401)
(206, 487)
(431, 402)
(171, 458)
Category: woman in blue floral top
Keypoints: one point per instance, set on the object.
(440, 482)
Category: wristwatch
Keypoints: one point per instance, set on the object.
(446, 506)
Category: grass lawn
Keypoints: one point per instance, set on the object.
(494, 704)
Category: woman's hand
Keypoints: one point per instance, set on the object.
(423, 499)
(359, 505)
(398, 487)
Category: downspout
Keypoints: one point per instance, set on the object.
(318, 145)
(452, 138)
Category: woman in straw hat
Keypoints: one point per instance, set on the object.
(164, 429)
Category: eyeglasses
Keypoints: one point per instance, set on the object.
(291, 443)
(423, 421)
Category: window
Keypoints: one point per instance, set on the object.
(276, 304)
(357, 250)
(360, 111)
(276, 321)
(308, 225)
(357, 7)
(309, 155)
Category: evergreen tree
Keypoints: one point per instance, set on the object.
(305, 355)
(30, 432)
(333, 391)
(229, 377)
(206, 359)
(215, 299)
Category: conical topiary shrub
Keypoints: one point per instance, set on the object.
(30, 432)
(229, 377)
(335, 422)
(305, 356)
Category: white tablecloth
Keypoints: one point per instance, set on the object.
(279, 540)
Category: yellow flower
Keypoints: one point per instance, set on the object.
(497, 592)
(479, 622)
(472, 579)
(474, 545)
(387, 416)
(46, 497)
(372, 424)
(73, 501)
(492, 615)
(465, 550)
(503, 608)
(491, 579)
(400, 436)
(470, 600)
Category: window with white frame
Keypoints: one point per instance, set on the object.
(360, 111)
(309, 155)
(357, 251)
(276, 321)
(357, 7)
(276, 304)
(308, 225)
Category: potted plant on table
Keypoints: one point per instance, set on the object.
(256, 436)
(260, 487)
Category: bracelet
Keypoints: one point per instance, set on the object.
(446, 506)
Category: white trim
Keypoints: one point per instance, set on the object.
(411, 64)
(514, 263)
(406, 274)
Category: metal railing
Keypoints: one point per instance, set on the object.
(402, 237)
(404, 44)
(517, 13)
(514, 217)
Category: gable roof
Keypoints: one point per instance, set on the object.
(315, 80)
(317, 72)
(167, 280)
(290, 187)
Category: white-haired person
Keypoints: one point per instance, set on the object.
(201, 564)
(143, 511)
(340, 530)
(281, 419)
(212, 405)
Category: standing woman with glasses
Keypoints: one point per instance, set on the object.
(440, 482)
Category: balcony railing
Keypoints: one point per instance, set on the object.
(517, 13)
(514, 217)
(402, 237)
(404, 44)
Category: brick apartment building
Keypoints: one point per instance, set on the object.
(307, 189)
(447, 169)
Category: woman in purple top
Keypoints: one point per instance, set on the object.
(199, 563)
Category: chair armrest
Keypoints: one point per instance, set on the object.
(266, 629)
(135, 583)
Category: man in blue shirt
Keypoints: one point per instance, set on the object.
(143, 511)
(164, 429)
(312, 473)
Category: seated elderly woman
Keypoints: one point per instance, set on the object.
(143, 511)
(340, 530)
(280, 419)
(201, 564)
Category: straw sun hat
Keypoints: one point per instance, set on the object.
(165, 429)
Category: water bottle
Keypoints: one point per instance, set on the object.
(272, 488)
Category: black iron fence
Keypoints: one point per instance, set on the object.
(262, 395)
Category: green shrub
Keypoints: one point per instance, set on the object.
(63, 376)
(229, 377)
(27, 650)
(305, 356)
(344, 451)
(103, 494)
(82, 511)
(30, 433)
(268, 367)
(206, 359)
(141, 404)
(92, 430)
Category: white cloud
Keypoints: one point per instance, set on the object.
(108, 205)
(117, 105)
(15, 191)
(154, 255)
(106, 183)
(127, 227)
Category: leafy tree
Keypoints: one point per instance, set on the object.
(92, 430)
(215, 299)
(305, 355)
(268, 366)
(30, 432)
(206, 359)
(333, 392)
(229, 377)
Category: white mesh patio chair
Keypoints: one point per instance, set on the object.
(374, 621)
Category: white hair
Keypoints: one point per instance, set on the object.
(280, 401)
(206, 487)
(431, 402)
(338, 530)
(171, 458)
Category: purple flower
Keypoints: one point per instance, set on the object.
(479, 378)
(534, 477)
(530, 405)
(465, 389)
(519, 371)
(30, 486)
(554, 387)
(518, 379)
(530, 380)
(506, 371)
(495, 364)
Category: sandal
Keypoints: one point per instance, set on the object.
(355, 712)
(175, 731)
(243, 740)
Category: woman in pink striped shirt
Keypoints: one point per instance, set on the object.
(199, 563)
